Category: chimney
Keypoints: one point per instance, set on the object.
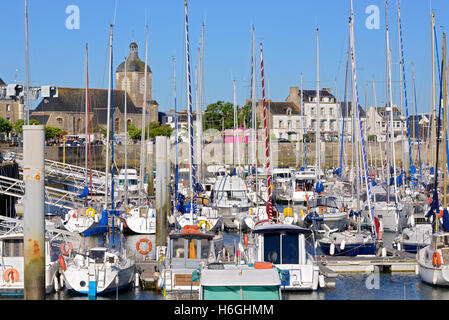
(328, 90)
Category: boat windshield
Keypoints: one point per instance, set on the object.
(131, 182)
(97, 255)
(287, 253)
(382, 197)
(281, 175)
(231, 195)
(329, 202)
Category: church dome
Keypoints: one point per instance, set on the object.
(133, 63)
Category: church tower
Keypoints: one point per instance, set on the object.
(135, 69)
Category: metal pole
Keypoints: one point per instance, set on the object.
(161, 190)
(34, 206)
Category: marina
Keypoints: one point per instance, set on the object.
(105, 197)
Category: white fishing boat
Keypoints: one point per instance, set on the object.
(97, 271)
(186, 250)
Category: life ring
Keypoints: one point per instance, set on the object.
(144, 252)
(11, 274)
(436, 259)
(202, 222)
(190, 229)
(62, 262)
(64, 251)
(90, 212)
(246, 239)
(263, 265)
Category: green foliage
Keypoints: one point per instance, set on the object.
(134, 133)
(5, 126)
(52, 132)
(156, 129)
(19, 124)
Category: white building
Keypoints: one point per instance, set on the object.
(379, 117)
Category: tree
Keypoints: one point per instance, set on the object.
(19, 124)
(219, 115)
(156, 129)
(5, 126)
(134, 133)
(52, 132)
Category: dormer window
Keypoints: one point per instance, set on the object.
(289, 111)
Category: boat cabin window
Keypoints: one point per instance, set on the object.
(178, 248)
(231, 195)
(13, 248)
(97, 255)
(205, 246)
(304, 185)
(380, 197)
(282, 175)
(281, 248)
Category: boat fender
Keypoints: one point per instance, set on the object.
(55, 283)
(144, 252)
(62, 262)
(121, 226)
(399, 246)
(11, 274)
(97, 218)
(321, 281)
(246, 240)
(436, 259)
(64, 251)
(332, 249)
(61, 281)
(384, 252)
(342, 245)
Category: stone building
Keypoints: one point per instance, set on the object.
(67, 111)
(10, 110)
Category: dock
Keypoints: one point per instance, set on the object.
(148, 273)
(394, 261)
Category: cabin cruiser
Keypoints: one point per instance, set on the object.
(281, 182)
(98, 270)
(302, 187)
(290, 248)
(230, 197)
(133, 183)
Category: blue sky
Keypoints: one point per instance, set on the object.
(286, 28)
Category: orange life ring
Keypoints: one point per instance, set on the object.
(246, 240)
(263, 265)
(64, 251)
(190, 229)
(436, 259)
(11, 274)
(62, 262)
(144, 252)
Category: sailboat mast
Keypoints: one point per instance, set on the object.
(253, 101)
(416, 122)
(87, 146)
(318, 134)
(355, 94)
(27, 63)
(433, 82)
(267, 149)
(176, 128)
(190, 116)
(303, 124)
(143, 134)
(444, 80)
(126, 133)
(106, 195)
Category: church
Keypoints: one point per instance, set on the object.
(67, 110)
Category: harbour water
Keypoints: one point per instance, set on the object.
(349, 286)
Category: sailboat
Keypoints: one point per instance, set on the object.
(86, 217)
(141, 218)
(101, 269)
(433, 259)
(354, 242)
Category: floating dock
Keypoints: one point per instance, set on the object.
(394, 261)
